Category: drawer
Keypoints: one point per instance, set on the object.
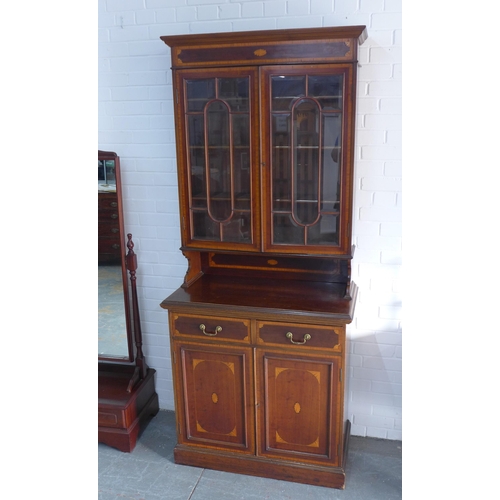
(111, 418)
(109, 230)
(108, 216)
(108, 201)
(299, 335)
(109, 245)
(212, 327)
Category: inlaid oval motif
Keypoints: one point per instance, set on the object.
(272, 262)
(215, 398)
(260, 52)
(292, 386)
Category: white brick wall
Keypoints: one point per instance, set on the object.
(136, 121)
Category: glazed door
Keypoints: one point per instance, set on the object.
(218, 158)
(216, 396)
(299, 407)
(306, 151)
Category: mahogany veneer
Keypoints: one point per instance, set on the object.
(126, 385)
(265, 152)
(122, 414)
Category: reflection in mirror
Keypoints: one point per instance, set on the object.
(115, 342)
(112, 326)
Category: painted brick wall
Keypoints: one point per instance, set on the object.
(136, 121)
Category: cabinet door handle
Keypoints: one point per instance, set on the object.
(289, 335)
(217, 330)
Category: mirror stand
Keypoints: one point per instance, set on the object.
(127, 396)
(141, 368)
(126, 385)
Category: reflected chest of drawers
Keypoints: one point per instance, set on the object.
(109, 246)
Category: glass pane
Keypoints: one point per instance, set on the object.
(306, 145)
(238, 229)
(219, 161)
(331, 158)
(241, 178)
(198, 178)
(196, 133)
(204, 228)
(101, 176)
(326, 232)
(286, 231)
(285, 89)
(241, 130)
(328, 90)
(234, 91)
(281, 165)
(306, 161)
(198, 93)
(217, 115)
(110, 171)
(219, 184)
(332, 129)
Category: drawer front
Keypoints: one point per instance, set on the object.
(109, 230)
(111, 418)
(108, 216)
(108, 201)
(212, 327)
(109, 245)
(299, 335)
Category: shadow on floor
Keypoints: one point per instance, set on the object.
(374, 470)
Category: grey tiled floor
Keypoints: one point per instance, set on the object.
(149, 473)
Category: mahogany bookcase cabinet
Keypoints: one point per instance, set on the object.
(265, 144)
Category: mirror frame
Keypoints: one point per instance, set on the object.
(109, 155)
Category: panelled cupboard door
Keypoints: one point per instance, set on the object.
(299, 407)
(217, 395)
(307, 150)
(218, 158)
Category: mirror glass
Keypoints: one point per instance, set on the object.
(113, 309)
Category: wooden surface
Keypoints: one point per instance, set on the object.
(293, 298)
(111, 241)
(245, 391)
(258, 329)
(330, 44)
(126, 386)
(283, 35)
(109, 244)
(121, 413)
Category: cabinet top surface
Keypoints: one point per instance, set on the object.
(327, 33)
(265, 296)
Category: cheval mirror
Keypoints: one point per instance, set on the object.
(126, 385)
(115, 336)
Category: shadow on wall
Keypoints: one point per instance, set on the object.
(374, 384)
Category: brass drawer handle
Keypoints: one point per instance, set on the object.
(217, 330)
(114, 216)
(289, 335)
(113, 204)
